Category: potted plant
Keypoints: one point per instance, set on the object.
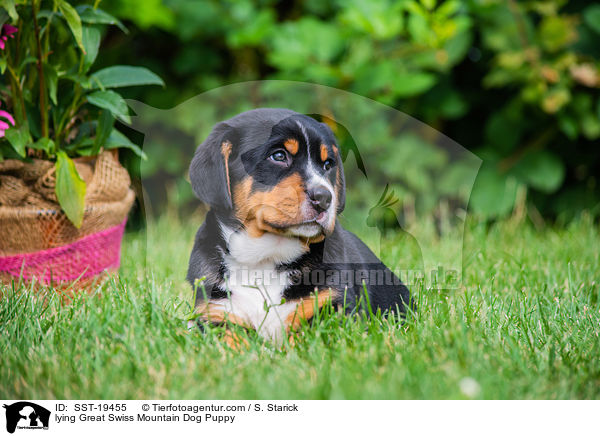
(64, 196)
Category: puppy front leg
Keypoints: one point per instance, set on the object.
(217, 315)
(307, 308)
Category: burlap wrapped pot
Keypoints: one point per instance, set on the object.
(31, 220)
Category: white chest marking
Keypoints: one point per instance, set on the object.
(254, 285)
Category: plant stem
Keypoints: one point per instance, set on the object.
(70, 112)
(16, 94)
(18, 81)
(48, 52)
(40, 65)
(517, 14)
(18, 103)
(537, 143)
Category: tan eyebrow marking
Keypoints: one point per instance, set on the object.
(335, 149)
(324, 153)
(291, 145)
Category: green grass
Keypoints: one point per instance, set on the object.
(525, 324)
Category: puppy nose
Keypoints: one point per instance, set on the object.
(320, 198)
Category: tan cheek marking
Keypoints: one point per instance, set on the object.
(324, 153)
(291, 145)
(246, 206)
(241, 193)
(308, 308)
(280, 205)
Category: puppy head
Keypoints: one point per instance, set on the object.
(274, 171)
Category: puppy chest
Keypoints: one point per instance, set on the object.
(255, 293)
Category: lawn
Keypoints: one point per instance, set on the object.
(525, 324)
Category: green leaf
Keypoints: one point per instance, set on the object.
(591, 16)
(419, 29)
(380, 20)
(258, 24)
(84, 146)
(19, 138)
(111, 101)
(9, 5)
(568, 125)
(97, 16)
(117, 140)
(429, 4)
(304, 43)
(2, 65)
(70, 189)
(541, 170)
(3, 19)
(123, 75)
(72, 18)
(493, 194)
(504, 128)
(46, 14)
(86, 151)
(51, 77)
(83, 80)
(590, 126)
(26, 61)
(91, 43)
(555, 32)
(458, 46)
(103, 129)
(407, 84)
(44, 144)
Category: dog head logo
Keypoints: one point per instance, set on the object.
(26, 415)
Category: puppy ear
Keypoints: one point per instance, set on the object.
(209, 170)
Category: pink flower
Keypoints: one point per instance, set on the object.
(4, 125)
(6, 32)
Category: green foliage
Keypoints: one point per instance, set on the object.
(72, 18)
(61, 106)
(112, 102)
(515, 82)
(121, 75)
(94, 15)
(70, 188)
(19, 138)
(493, 195)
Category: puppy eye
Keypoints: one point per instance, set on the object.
(327, 164)
(279, 156)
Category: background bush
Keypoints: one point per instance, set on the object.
(517, 83)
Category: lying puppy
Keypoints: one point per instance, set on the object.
(271, 249)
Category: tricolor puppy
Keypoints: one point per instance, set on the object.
(271, 248)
